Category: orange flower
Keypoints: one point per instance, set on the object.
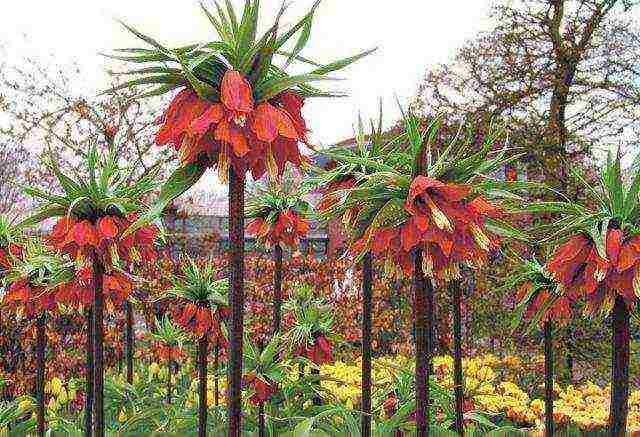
(582, 272)
(236, 131)
(288, 228)
(449, 230)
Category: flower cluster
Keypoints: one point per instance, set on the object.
(201, 319)
(448, 229)
(582, 271)
(236, 131)
(320, 351)
(559, 310)
(263, 388)
(105, 239)
(288, 227)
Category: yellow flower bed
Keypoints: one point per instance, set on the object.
(490, 382)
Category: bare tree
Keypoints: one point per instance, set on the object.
(45, 112)
(562, 75)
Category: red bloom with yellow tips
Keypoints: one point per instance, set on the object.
(447, 227)
(288, 229)
(583, 272)
(278, 213)
(235, 131)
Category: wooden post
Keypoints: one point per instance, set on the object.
(88, 401)
(548, 379)
(423, 306)
(277, 287)
(203, 345)
(129, 341)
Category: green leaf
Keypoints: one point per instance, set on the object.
(273, 87)
(338, 65)
(303, 429)
(147, 39)
(179, 182)
(41, 215)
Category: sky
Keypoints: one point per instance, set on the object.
(411, 36)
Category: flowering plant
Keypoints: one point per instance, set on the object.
(38, 281)
(94, 213)
(439, 199)
(263, 371)
(539, 298)
(279, 214)
(237, 105)
(202, 297)
(598, 254)
(310, 332)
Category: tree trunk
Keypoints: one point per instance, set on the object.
(277, 288)
(548, 380)
(203, 344)
(98, 346)
(458, 387)
(41, 342)
(367, 281)
(619, 368)
(129, 343)
(216, 366)
(88, 401)
(236, 299)
(423, 305)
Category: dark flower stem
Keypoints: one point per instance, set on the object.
(129, 341)
(41, 343)
(88, 401)
(216, 367)
(367, 281)
(423, 305)
(236, 299)
(169, 386)
(619, 368)
(98, 346)
(203, 345)
(277, 287)
(262, 430)
(548, 379)
(456, 291)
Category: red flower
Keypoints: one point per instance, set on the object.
(201, 320)
(320, 352)
(582, 272)
(263, 389)
(117, 287)
(236, 130)
(107, 228)
(288, 228)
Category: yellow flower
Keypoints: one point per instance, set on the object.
(24, 405)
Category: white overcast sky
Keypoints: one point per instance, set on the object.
(411, 35)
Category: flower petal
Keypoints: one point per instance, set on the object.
(236, 93)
